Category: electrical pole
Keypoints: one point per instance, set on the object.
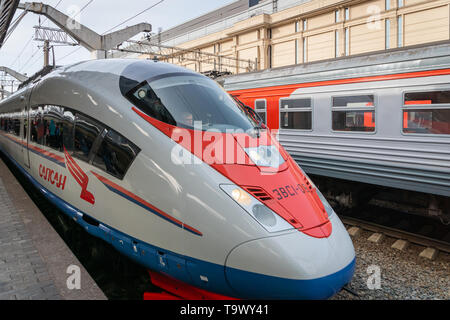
(46, 53)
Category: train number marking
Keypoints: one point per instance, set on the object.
(52, 176)
(288, 191)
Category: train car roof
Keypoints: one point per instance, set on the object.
(430, 57)
(128, 73)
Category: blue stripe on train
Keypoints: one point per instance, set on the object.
(147, 208)
(187, 269)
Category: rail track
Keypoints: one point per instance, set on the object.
(415, 238)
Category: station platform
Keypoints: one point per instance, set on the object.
(34, 260)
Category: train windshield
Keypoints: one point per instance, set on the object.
(192, 102)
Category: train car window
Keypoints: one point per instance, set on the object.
(38, 126)
(16, 129)
(86, 132)
(67, 126)
(53, 121)
(10, 123)
(354, 113)
(115, 154)
(424, 98)
(261, 109)
(296, 114)
(427, 112)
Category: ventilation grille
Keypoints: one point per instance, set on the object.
(258, 193)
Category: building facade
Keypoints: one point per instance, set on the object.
(272, 34)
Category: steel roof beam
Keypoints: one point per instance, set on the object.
(97, 44)
(7, 11)
(14, 74)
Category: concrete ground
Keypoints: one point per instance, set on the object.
(34, 260)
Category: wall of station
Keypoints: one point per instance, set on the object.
(322, 29)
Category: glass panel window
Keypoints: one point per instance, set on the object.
(436, 97)
(354, 101)
(428, 121)
(115, 154)
(388, 34)
(400, 31)
(296, 120)
(296, 114)
(38, 127)
(86, 132)
(354, 121)
(427, 112)
(67, 128)
(347, 41)
(354, 113)
(16, 124)
(53, 117)
(261, 109)
(183, 99)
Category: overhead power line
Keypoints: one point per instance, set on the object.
(136, 15)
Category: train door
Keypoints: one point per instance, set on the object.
(25, 101)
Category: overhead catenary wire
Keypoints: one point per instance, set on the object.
(136, 15)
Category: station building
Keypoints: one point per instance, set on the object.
(271, 34)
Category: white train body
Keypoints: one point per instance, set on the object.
(171, 218)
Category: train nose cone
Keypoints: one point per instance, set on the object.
(292, 266)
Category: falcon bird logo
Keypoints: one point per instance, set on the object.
(80, 176)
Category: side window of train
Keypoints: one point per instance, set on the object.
(86, 132)
(296, 114)
(427, 112)
(52, 126)
(10, 122)
(354, 113)
(261, 109)
(115, 154)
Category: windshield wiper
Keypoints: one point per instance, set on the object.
(256, 116)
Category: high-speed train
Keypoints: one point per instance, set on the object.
(164, 165)
(380, 118)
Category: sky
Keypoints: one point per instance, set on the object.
(23, 55)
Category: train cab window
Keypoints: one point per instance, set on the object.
(186, 99)
(115, 154)
(261, 109)
(296, 114)
(427, 112)
(354, 113)
(86, 132)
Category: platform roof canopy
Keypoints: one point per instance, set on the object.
(7, 11)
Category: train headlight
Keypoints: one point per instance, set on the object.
(265, 156)
(268, 219)
(264, 215)
(241, 197)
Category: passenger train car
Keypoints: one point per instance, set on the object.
(98, 139)
(381, 118)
